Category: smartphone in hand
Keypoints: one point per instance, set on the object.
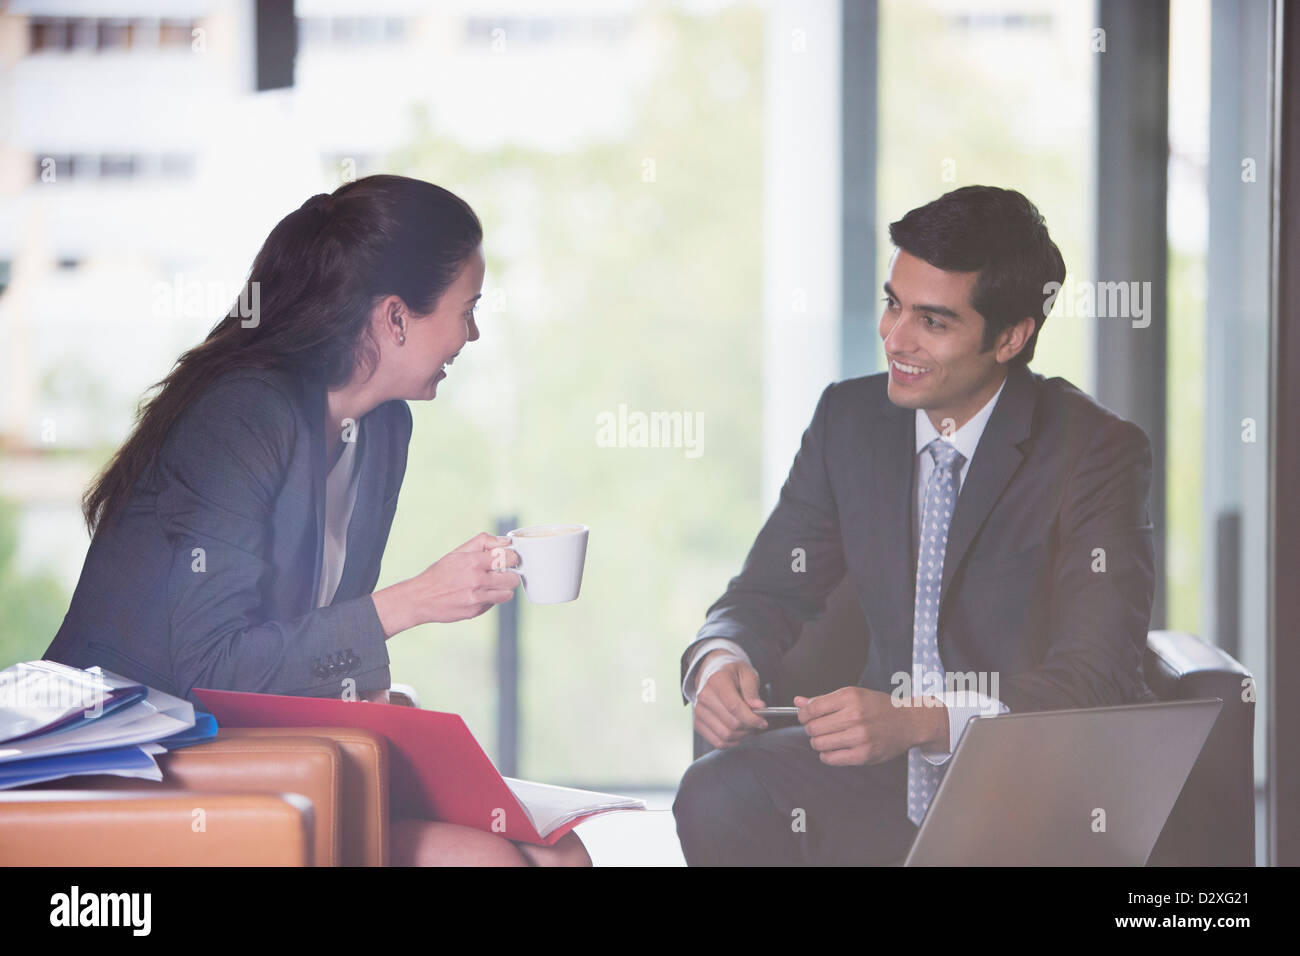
(779, 716)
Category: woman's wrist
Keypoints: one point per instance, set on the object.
(393, 605)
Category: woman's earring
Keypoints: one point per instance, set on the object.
(401, 338)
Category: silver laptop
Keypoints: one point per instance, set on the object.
(1089, 787)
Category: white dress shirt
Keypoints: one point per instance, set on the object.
(973, 704)
(340, 497)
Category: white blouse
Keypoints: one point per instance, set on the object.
(340, 497)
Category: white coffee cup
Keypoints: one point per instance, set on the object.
(551, 558)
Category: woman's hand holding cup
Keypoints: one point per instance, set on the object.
(467, 581)
(460, 585)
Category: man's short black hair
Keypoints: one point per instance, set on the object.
(998, 233)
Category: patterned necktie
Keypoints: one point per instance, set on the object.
(940, 497)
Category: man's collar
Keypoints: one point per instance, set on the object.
(966, 438)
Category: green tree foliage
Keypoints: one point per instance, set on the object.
(32, 604)
(623, 272)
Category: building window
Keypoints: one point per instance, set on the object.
(63, 34)
(175, 33)
(116, 166)
(114, 35)
(323, 32)
(113, 166)
(49, 33)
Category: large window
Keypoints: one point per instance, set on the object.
(670, 193)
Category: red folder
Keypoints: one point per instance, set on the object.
(439, 771)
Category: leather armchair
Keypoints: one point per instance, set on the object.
(1213, 821)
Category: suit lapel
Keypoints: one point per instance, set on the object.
(891, 548)
(997, 457)
(313, 392)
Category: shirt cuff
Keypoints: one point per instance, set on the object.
(961, 707)
(717, 643)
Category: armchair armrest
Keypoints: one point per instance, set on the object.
(154, 828)
(404, 695)
(364, 792)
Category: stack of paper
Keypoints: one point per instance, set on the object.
(59, 721)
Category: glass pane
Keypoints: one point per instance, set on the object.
(974, 93)
(1217, 482)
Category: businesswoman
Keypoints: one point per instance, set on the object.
(237, 534)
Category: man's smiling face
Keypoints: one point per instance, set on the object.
(933, 338)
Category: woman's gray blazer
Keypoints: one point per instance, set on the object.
(208, 576)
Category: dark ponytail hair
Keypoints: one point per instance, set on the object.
(314, 282)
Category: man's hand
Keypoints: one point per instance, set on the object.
(853, 725)
(724, 705)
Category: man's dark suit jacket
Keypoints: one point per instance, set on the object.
(1058, 484)
(241, 475)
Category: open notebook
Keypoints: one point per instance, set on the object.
(439, 771)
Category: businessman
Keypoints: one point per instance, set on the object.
(994, 525)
